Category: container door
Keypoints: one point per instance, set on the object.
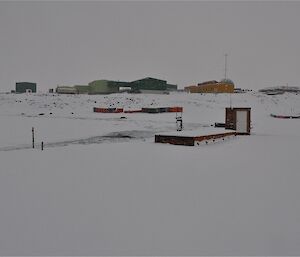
(241, 121)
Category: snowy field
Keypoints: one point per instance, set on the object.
(103, 187)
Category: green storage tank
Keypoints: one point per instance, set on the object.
(65, 90)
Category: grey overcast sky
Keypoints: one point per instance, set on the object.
(75, 42)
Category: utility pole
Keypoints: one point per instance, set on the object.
(32, 137)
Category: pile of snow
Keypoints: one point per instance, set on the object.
(103, 187)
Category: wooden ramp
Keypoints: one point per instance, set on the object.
(193, 140)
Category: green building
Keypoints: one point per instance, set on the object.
(25, 87)
(103, 87)
(82, 89)
(171, 87)
(151, 85)
(146, 85)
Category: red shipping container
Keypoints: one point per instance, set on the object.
(176, 109)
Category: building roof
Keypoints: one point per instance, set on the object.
(228, 81)
(150, 78)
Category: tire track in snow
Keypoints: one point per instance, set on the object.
(114, 137)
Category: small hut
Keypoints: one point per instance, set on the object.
(238, 119)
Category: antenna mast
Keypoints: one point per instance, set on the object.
(225, 75)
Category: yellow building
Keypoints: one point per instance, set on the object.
(213, 86)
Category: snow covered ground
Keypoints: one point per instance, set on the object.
(103, 187)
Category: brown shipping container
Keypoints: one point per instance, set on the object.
(108, 110)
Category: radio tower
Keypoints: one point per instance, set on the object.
(225, 75)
